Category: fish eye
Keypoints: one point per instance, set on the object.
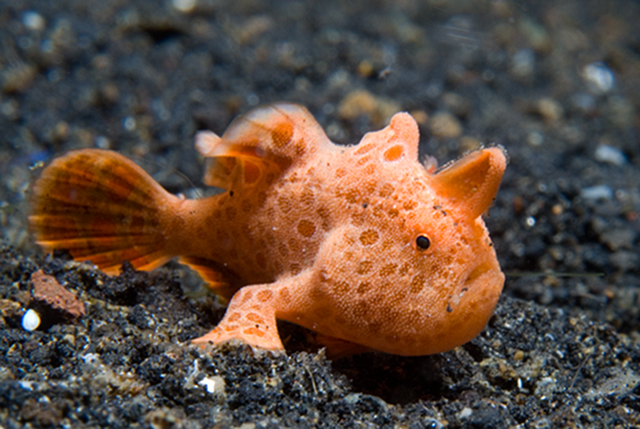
(423, 242)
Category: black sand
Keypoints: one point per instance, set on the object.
(556, 83)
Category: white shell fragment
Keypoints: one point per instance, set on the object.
(30, 320)
(599, 77)
(609, 154)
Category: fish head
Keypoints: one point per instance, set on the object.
(418, 242)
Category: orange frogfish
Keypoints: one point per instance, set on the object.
(361, 244)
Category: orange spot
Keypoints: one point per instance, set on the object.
(393, 153)
(363, 160)
(247, 296)
(341, 287)
(370, 186)
(295, 269)
(363, 149)
(264, 295)
(386, 190)
(285, 295)
(255, 318)
(307, 197)
(352, 195)
(363, 287)
(281, 134)
(253, 331)
(323, 213)
(294, 245)
(300, 148)
(306, 228)
(285, 204)
(361, 309)
(364, 267)
(417, 283)
(388, 269)
(369, 237)
(409, 205)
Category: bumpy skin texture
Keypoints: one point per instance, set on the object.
(358, 243)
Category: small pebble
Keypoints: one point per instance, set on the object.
(184, 6)
(599, 77)
(534, 138)
(584, 102)
(361, 102)
(624, 260)
(609, 154)
(18, 77)
(550, 110)
(47, 291)
(30, 320)
(523, 64)
(33, 20)
(10, 309)
(129, 123)
(617, 239)
(445, 125)
(214, 385)
(599, 192)
(102, 142)
(465, 413)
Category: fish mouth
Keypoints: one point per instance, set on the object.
(478, 271)
(482, 273)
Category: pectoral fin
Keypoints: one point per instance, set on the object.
(221, 282)
(250, 318)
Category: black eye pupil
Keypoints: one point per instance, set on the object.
(422, 242)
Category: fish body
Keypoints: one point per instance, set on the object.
(360, 243)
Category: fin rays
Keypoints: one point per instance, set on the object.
(102, 207)
(259, 146)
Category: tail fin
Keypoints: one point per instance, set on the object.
(102, 207)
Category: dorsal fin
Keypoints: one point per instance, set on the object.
(260, 145)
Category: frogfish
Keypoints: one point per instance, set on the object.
(362, 244)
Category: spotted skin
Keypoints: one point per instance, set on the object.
(362, 243)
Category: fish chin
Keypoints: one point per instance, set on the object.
(469, 310)
(483, 286)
